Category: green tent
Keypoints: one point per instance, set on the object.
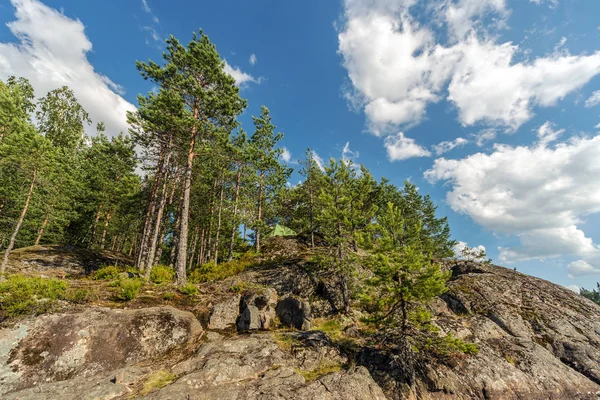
(280, 230)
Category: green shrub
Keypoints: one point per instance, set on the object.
(188, 289)
(21, 294)
(106, 273)
(161, 274)
(212, 272)
(449, 346)
(128, 289)
(79, 296)
(169, 296)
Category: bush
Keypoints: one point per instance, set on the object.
(169, 296)
(213, 272)
(106, 273)
(188, 289)
(161, 274)
(21, 294)
(78, 296)
(128, 289)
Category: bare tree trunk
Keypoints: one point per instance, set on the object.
(106, 222)
(176, 232)
(194, 246)
(41, 230)
(185, 211)
(218, 226)
(259, 213)
(210, 222)
(157, 224)
(235, 210)
(95, 226)
(202, 247)
(11, 243)
(312, 219)
(141, 259)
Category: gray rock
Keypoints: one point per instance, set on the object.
(294, 312)
(257, 310)
(63, 346)
(224, 314)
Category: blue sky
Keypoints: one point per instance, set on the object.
(491, 106)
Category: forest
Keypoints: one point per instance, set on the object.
(187, 186)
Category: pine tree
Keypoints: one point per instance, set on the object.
(210, 99)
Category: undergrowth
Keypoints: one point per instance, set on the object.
(21, 294)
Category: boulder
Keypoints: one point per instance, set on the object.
(63, 346)
(257, 310)
(225, 313)
(294, 312)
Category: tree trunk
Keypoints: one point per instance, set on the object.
(185, 211)
(106, 222)
(259, 213)
(202, 245)
(210, 222)
(311, 215)
(141, 259)
(157, 224)
(41, 231)
(95, 226)
(176, 233)
(194, 246)
(235, 210)
(11, 242)
(218, 226)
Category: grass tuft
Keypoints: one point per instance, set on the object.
(157, 380)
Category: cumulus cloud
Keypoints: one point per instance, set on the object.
(539, 193)
(253, 59)
(593, 100)
(484, 136)
(240, 76)
(400, 147)
(51, 52)
(547, 134)
(444, 147)
(286, 156)
(582, 268)
(398, 65)
(460, 246)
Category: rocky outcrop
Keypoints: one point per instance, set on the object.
(64, 346)
(225, 313)
(255, 367)
(62, 261)
(257, 310)
(294, 312)
(537, 340)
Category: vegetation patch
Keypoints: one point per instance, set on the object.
(106, 273)
(128, 289)
(188, 289)
(157, 380)
(21, 294)
(162, 274)
(284, 342)
(321, 370)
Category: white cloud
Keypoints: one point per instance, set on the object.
(146, 7)
(397, 65)
(240, 76)
(52, 52)
(593, 100)
(573, 288)
(318, 160)
(582, 268)
(460, 246)
(348, 154)
(552, 3)
(484, 136)
(597, 126)
(539, 193)
(547, 134)
(286, 156)
(253, 59)
(444, 147)
(400, 147)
